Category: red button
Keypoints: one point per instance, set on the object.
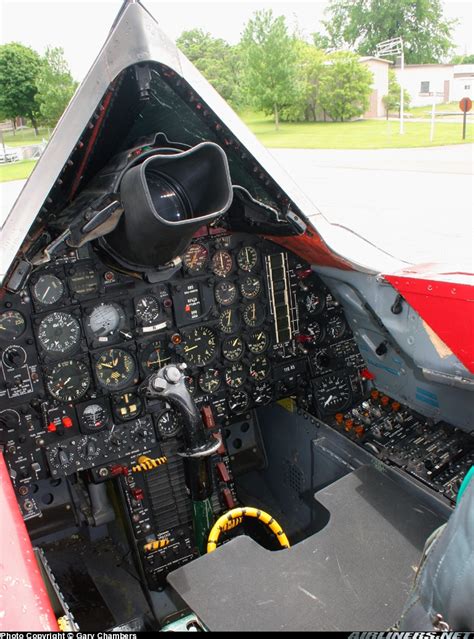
(223, 472)
(51, 427)
(138, 494)
(229, 500)
(67, 422)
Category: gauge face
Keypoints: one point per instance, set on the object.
(235, 375)
(222, 263)
(105, 320)
(334, 393)
(250, 287)
(48, 289)
(253, 314)
(336, 327)
(200, 346)
(115, 369)
(126, 406)
(59, 332)
(313, 301)
(257, 342)
(262, 394)
(84, 281)
(210, 380)
(247, 258)
(316, 331)
(147, 310)
(155, 355)
(12, 325)
(260, 368)
(238, 402)
(195, 258)
(232, 348)
(94, 417)
(225, 293)
(68, 381)
(229, 321)
(168, 424)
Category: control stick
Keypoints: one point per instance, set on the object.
(168, 384)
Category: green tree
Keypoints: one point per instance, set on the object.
(321, 41)
(269, 63)
(391, 101)
(217, 60)
(19, 69)
(463, 59)
(345, 86)
(55, 86)
(362, 24)
(311, 63)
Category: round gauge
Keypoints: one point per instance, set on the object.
(225, 293)
(316, 330)
(262, 394)
(260, 368)
(48, 290)
(336, 327)
(238, 402)
(115, 369)
(68, 381)
(232, 348)
(94, 417)
(222, 263)
(228, 321)
(235, 375)
(333, 393)
(126, 406)
(168, 424)
(247, 258)
(210, 380)
(200, 346)
(254, 314)
(84, 281)
(250, 287)
(59, 332)
(147, 310)
(313, 301)
(257, 342)
(195, 258)
(155, 355)
(105, 320)
(12, 325)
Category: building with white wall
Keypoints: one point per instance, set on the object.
(379, 69)
(438, 83)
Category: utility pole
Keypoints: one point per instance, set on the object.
(394, 46)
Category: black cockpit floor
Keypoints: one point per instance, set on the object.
(354, 574)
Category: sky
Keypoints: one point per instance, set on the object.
(80, 27)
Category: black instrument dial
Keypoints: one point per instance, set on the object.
(238, 402)
(235, 375)
(195, 258)
(115, 369)
(262, 394)
(94, 418)
(105, 321)
(313, 301)
(253, 314)
(333, 393)
(336, 327)
(257, 342)
(259, 368)
(200, 346)
(84, 281)
(229, 321)
(168, 424)
(250, 287)
(247, 258)
(12, 325)
(225, 293)
(232, 348)
(316, 330)
(210, 380)
(147, 310)
(155, 355)
(222, 263)
(126, 406)
(68, 381)
(59, 332)
(48, 290)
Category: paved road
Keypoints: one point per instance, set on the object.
(415, 203)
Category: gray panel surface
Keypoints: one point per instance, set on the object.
(354, 574)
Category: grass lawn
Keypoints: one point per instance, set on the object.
(25, 137)
(16, 170)
(425, 111)
(366, 134)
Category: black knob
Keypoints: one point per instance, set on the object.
(14, 357)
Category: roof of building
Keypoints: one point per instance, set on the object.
(366, 58)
